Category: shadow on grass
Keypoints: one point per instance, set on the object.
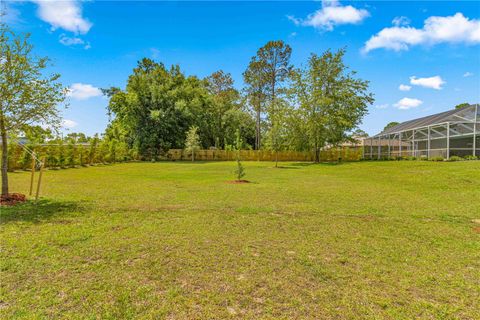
(196, 162)
(297, 165)
(39, 212)
(288, 167)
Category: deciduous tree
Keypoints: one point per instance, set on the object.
(225, 112)
(27, 96)
(331, 101)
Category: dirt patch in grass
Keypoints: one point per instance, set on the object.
(12, 199)
(238, 181)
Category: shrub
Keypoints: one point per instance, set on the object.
(471, 157)
(239, 171)
(455, 158)
(26, 159)
(437, 158)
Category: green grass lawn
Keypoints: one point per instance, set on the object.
(371, 240)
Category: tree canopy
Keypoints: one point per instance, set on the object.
(159, 105)
(331, 101)
(462, 105)
(391, 125)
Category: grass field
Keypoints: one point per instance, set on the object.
(367, 240)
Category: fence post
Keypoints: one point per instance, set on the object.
(33, 173)
(40, 179)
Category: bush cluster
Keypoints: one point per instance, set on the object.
(59, 155)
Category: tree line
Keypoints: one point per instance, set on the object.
(281, 107)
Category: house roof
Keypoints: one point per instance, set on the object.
(425, 121)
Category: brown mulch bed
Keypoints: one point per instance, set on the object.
(12, 199)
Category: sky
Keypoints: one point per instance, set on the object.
(420, 57)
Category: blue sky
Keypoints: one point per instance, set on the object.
(430, 48)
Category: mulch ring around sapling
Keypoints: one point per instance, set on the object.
(476, 227)
(12, 199)
(238, 181)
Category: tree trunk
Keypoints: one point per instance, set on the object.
(4, 158)
(193, 156)
(276, 159)
(257, 138)
(317, 151)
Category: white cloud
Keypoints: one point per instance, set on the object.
(332, 14)
(68, 41)
(382, 106)
(64, 14)
(450, 29)
(401, 21)
(295, 20)
(404, 87)
(408, 103)
(467, 74)
(81, 91)
(73, 41)
(68, 124)
(435, 82)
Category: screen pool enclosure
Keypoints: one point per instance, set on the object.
(451, 133)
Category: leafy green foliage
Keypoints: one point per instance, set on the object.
(331, 101)
(27, 96)
(159, 105)
(239, 171)
(255, 96)
(462, 105)
(391, 125)
(226, 113)
(265, 77)
(455, 158)
(359, 133)
(298, 110)
(470, 157)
